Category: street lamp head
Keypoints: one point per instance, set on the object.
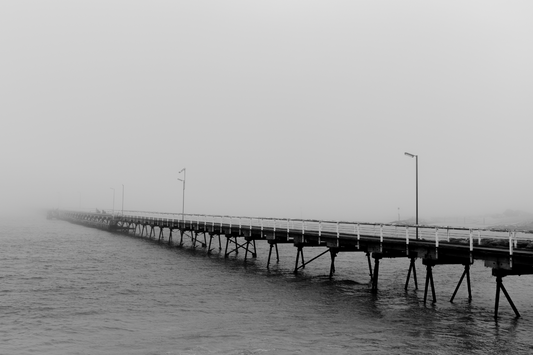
(182, 170)
(410, 155)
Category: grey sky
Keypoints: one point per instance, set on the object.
(276, 108)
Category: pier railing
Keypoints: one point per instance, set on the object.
(473, 237)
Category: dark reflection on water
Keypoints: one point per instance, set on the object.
(67, 289)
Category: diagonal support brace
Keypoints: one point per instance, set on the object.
(412, 268)
(467, 274)
(300, 251)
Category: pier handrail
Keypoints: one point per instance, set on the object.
(473, 237)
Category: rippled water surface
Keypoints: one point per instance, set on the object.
(69, 289)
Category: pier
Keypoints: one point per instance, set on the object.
(505, 252)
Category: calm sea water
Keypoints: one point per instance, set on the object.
(69, 289)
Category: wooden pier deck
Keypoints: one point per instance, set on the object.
(506, 252)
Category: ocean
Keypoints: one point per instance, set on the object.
(70, 289)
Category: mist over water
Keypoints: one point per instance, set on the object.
(283, 109)
(69, 289)
(299, 109)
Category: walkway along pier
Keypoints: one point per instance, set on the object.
(507, 253)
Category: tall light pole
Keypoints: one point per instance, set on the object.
(113, 199)
(183, 199)
(122, 199)
(416, 158)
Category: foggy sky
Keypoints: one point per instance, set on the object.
(275, 108)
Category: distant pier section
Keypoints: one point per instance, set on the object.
(506, 252)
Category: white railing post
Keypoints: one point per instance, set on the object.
(471, 241)
(436, 237)
(358, 232)
(478, 237)
(511, 243)
(407, 235)
(381, 233)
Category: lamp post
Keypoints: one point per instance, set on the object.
(113, 200)
(122, 199)
(183, 199)
(416, 158)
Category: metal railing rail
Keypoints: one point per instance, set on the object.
(474, 237)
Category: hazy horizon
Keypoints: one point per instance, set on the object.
(298, 109)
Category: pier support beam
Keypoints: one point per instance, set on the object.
(272, 244)
(431, 262)
(377, 257)
(195, 239)
(298, 253)
(499, 286)
(467, 274)
(254, 254)
(194, 236)
(333, 253)
(182, 232)
(412, 268)
(500, 274)
(211, 236)
(369, 266)
(233, 239)
(378, 254)
(301, 252)
(429, 280)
